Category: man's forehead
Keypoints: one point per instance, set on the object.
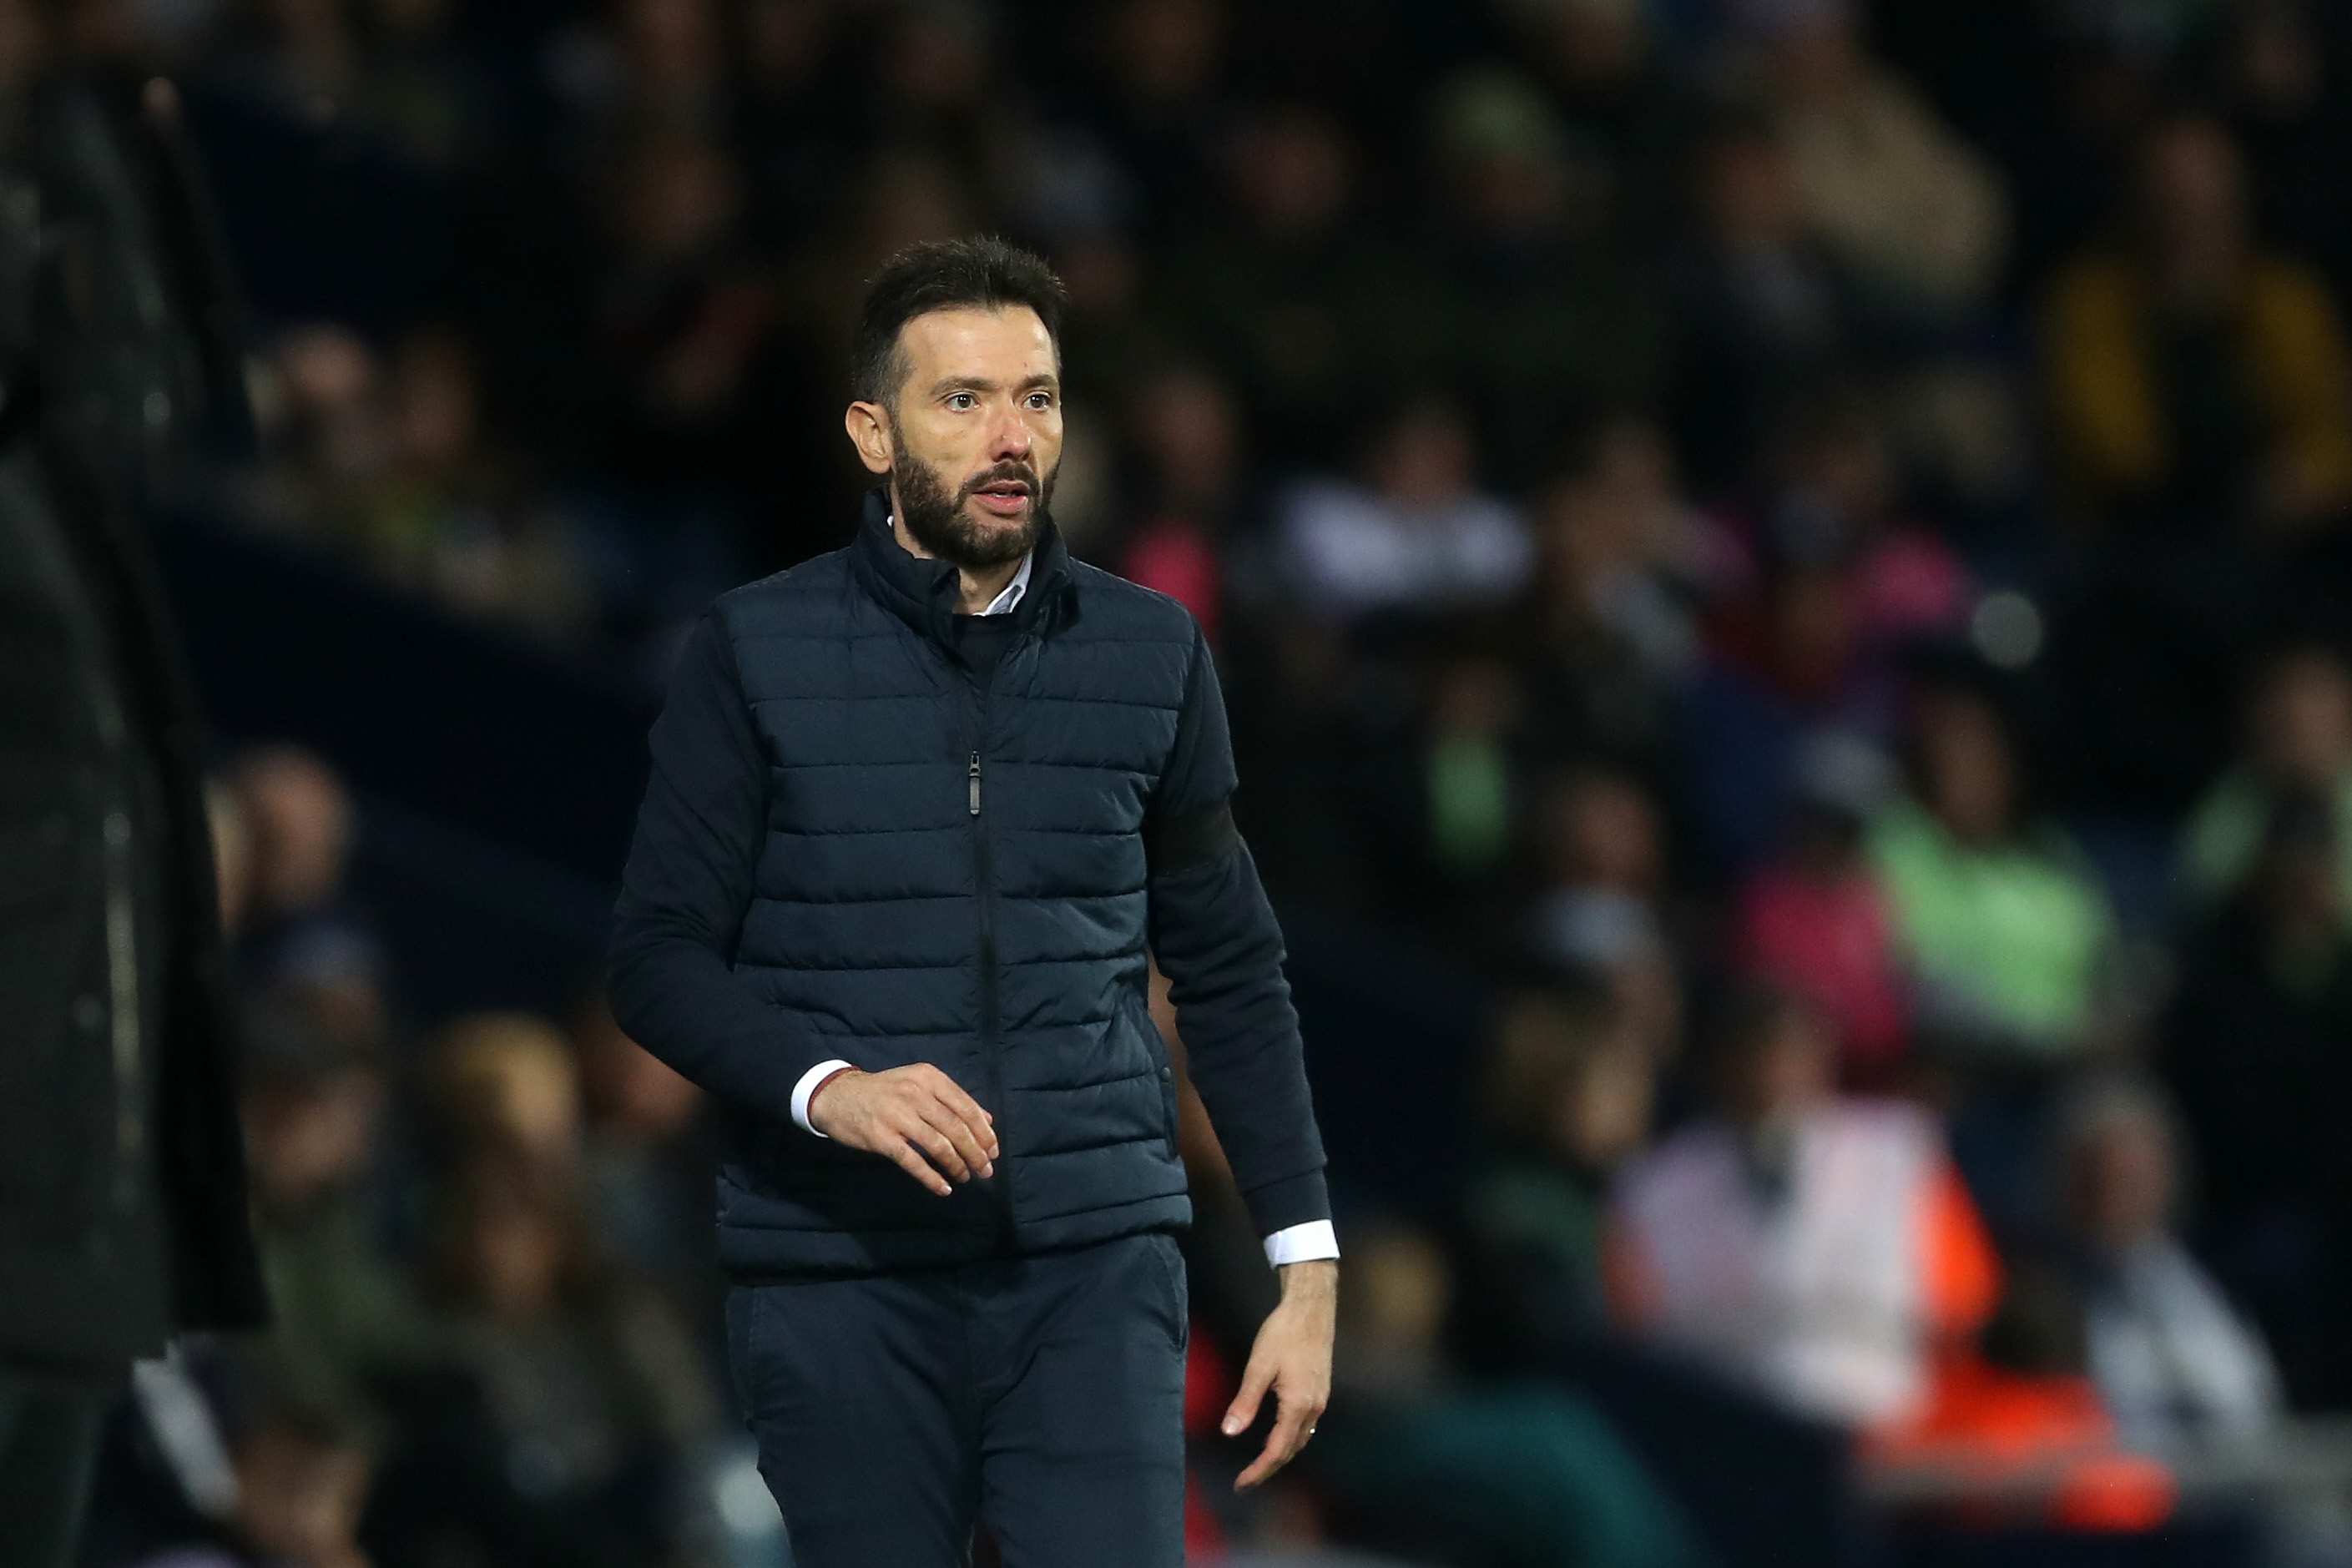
(971, 337)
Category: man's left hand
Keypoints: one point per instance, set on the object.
(1292, 1357)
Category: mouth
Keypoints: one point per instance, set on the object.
(1004, 497)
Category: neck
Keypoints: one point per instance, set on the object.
(976, 587)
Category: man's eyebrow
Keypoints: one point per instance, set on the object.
(947, 384)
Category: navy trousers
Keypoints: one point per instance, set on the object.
(1043, 1394)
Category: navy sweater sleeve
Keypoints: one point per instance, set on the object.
(670, 973)
(1214, 935)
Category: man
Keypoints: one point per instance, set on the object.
(122, 1196)
(918, 810)
(1818, 1247)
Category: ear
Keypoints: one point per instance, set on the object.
(869, 424)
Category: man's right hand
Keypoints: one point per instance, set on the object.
(915, 1116)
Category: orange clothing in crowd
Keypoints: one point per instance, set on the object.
(1855, 1295)
(1831, 1294)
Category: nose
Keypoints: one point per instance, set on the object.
(1010, 437)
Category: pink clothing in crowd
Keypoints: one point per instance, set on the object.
(1908, 584)
(1174, 557)
(1830, 941)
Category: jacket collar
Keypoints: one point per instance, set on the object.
(922, 592)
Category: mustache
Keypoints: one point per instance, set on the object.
(1009, 472)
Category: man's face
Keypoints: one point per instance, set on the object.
(974, 440)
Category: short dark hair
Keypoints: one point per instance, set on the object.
(980, 274)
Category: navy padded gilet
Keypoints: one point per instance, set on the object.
(955, 874)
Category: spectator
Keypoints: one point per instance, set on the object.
(568, 1441)
(2279, 71)
(1600, 848)
(1837, 501)
(1643, 555)
(1600, 831)
(2253, 1047)
(1531, 1472)
(1566, 1096)
(1188, 441)
(653, 69)
(1766, 310)
(1608, 78)
(302, 1471)
(2299, 734)
(1420, 536)
(1819, 1249)
(324, 439)
(508, 1082)
(1287, 286)
(443, 515)
(2195, 379)
(936, 87)
(1914, 214)
(1113, 343)
(1604, 630)
(1470, 785)
(2175, 1363)
(680, 319)
(1153, 94)
(794, 109)
(648, 1168)
(2004, 928)
(1790, 671)
(304, 937)
(1544, 312)
(344, 1318)
(2169, 1355)
(1814, 920)
(301, 819)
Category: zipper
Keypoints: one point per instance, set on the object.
(985, 899)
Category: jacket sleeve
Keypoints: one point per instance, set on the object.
(1214, 935)
(670, 973)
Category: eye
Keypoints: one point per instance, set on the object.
(1041, 400)
(962, 401)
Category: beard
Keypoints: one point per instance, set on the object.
(937, 520)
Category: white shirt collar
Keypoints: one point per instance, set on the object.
(1006, 603)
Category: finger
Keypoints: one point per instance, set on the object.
(908, 1160)
(1282, 1445)
(971, 1143)
(937, 1146)
(1255, 1380)
(955, 1095)
(965, 1110)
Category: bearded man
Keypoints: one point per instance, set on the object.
(921, 812)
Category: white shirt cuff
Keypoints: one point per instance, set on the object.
(808, 1086)
(1303, 1243)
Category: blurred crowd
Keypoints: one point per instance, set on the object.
(488, 1254)
(1803, 541)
